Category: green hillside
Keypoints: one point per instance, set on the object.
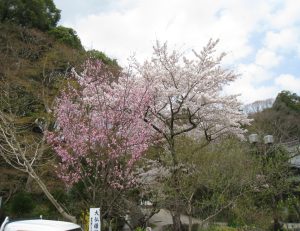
(35, 62)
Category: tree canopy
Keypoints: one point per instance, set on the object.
(188, 102)
(288, 101)
(281, 120)
(67, 36)
(41, 14)
(94, 54)
(100, 134)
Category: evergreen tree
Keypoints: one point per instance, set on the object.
(41, 14)
(67, 36)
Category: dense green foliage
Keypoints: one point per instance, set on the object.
(41, 14)
(282, 120)
(21, 204)
(94, 54)
(288, 102)
(32, 66)
(67, 36)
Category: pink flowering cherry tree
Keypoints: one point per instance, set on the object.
(100, 131)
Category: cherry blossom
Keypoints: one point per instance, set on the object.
(100, 131)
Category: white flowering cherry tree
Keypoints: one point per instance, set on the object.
(189, 100)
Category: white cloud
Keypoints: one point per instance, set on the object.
(267, 58)
(285, 41)
(251, 84)
(135, 26)
(254, 73)
(288, 82)
(286, 15)
(132, 26)
(250, 92)
(258, 82)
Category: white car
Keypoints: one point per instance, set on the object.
(39, 225)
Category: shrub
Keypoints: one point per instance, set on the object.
(22, 204)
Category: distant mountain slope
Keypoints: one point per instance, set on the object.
(258, 106)
(282, 119)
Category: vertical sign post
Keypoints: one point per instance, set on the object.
(95, 222)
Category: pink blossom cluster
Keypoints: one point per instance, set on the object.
(100, 132)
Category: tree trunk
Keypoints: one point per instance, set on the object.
(190, 223)
(177, 226)
(110, 225)
(49, 195)
(189, 212)
(28, 186)
(10, 140)
(277, 226)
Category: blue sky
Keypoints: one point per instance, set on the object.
(261, 38)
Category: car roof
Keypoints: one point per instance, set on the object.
(40, 225)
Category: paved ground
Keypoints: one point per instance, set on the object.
(163, 217)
